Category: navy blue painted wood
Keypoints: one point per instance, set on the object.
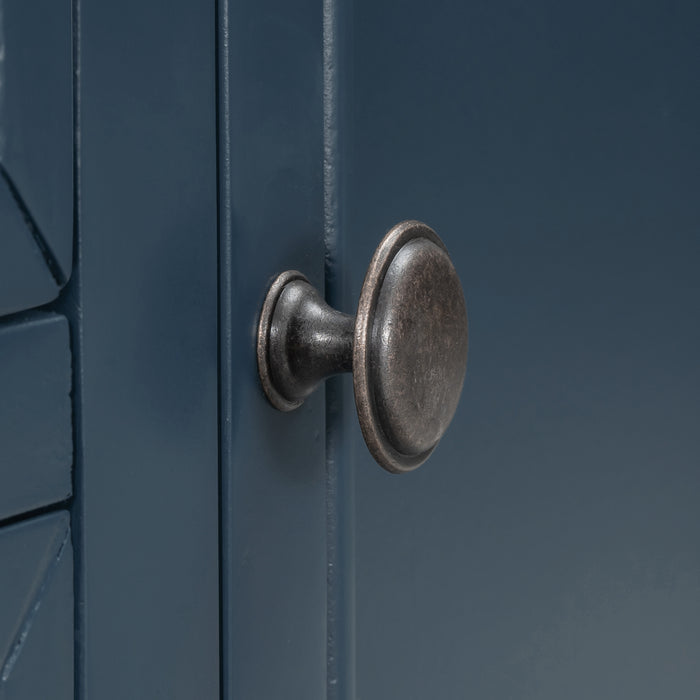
(25, 279)
(36, 449)
(36, 131)
(36, 609)
(551, 546)
(274, 509)
(148, 470)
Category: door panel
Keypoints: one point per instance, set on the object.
(550, 547)
(25, 278)
(36, 449)
(36, 142)
(273, 464)
(147, 476)
(36, 609)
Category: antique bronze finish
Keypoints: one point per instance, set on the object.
(406, 347)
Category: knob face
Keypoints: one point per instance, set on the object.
(410, 348)
(406, 348)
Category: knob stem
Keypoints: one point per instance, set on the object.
(307, 341)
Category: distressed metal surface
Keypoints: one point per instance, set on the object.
(301, 341)
(407, 347)
(419, 347)
(410, 347)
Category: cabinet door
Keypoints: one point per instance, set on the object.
(273, 465)
(36, 152)
(147, 470)
(550, 547)
(36, 423)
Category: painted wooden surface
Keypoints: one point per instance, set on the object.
(36, 609)
(25, 279)
(36, 429)
(36, 150)
(550, 547)
(273, 474)
(36, 447)
(147, 478)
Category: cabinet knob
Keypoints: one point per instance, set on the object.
(406, 347)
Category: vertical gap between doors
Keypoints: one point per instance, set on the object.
(340, 617)
(72, 297)
(223, 208)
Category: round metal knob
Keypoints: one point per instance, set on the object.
(406, 347)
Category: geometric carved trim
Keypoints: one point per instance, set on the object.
(36, 619)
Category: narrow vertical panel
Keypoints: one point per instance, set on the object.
(148, 289)
(274, 544)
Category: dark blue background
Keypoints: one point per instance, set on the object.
(549, 549)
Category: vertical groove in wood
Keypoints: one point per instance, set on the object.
(223, 170)
(340, 657)
(73, 300)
